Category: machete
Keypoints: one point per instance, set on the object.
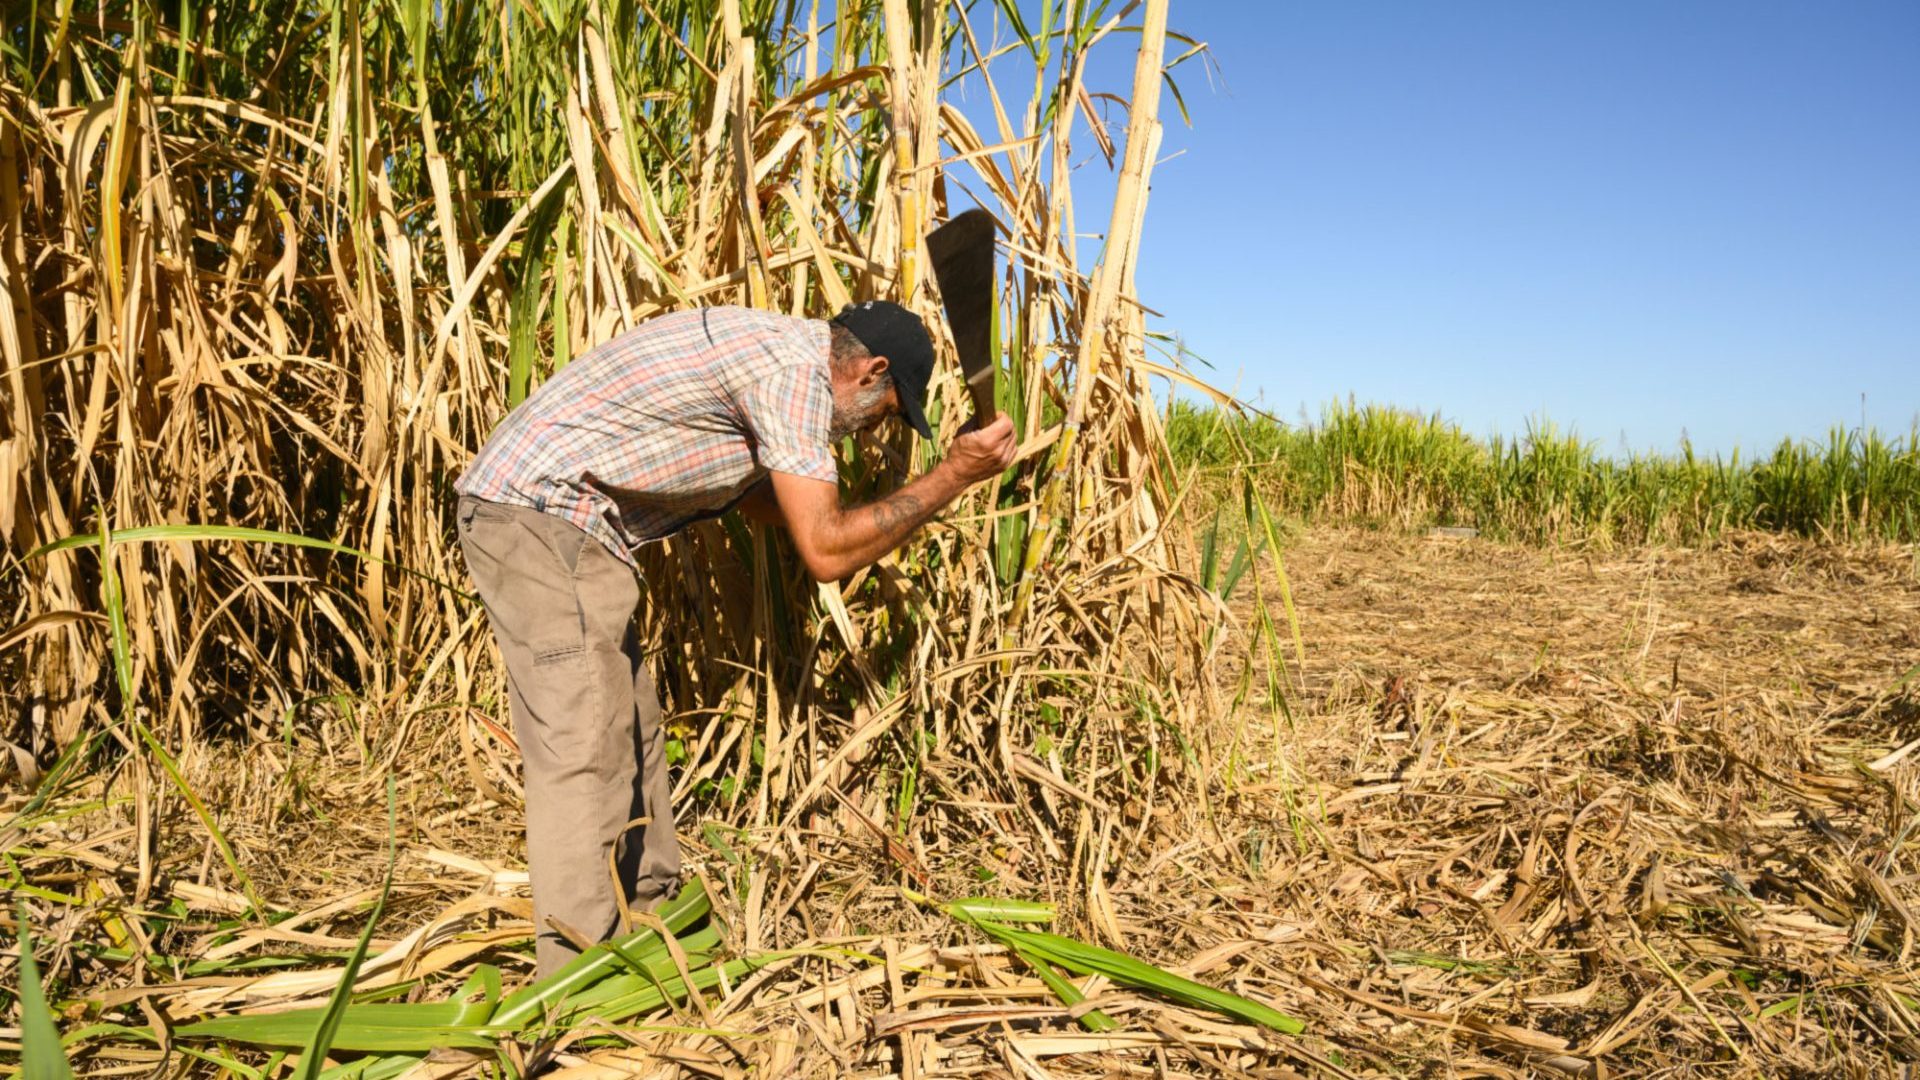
(962, 256)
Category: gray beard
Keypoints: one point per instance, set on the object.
(866, 408)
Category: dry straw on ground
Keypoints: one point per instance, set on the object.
(1536, 813)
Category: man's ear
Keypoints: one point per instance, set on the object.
(876, 368)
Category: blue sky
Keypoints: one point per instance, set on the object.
(1634, 218)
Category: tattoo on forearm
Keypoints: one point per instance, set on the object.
(898, 510)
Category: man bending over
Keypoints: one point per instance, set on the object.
(682, 418)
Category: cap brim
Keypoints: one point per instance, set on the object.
(917, 420)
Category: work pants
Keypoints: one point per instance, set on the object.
(586, 716)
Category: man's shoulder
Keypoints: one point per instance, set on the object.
(726, 334)
(730, 320)
(738, 333)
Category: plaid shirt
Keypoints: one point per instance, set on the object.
(666, 424)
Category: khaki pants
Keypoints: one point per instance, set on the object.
(586, 717)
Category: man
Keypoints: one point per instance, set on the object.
(682, 418)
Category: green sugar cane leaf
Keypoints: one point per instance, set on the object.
(1009, 531)
(1091, 20)
(528, 1003)
(1268, 638)
(649, 968)
(231, 532)
(416, 20)
(41, 1055)
(423, 1026)
(1210, 554)
(373, 1068)
(295, 1030)
(1242, 562)
(1016, 358)
(1069, 994)
(644, 999)
(646, 975)
(1010, 536)
(1011, 9)
(1179, 100)
(521, 337)
(1000, 909)
(1256, 512)
(1085, 959)
(524, 329)
(478, 997)
(557, 311)
(380, 1015)
(1044, 39)
(114, 601)
(314, 1055)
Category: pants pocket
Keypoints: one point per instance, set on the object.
(561, 623)
(526, 576)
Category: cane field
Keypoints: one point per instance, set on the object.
(1198, 745)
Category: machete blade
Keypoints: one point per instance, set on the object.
(962, 256)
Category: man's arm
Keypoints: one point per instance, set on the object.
(759, 504)
(835, 541)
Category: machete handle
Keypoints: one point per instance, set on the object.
(980, 385)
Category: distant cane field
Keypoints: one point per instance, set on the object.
(1381, 465)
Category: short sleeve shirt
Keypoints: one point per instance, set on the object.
(666, 424)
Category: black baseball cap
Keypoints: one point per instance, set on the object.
(889, 330)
